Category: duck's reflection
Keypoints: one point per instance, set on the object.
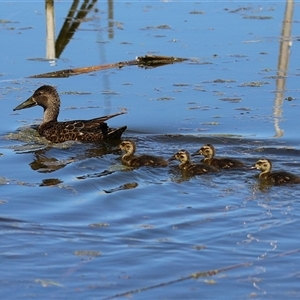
(51, 159)
(44, 163)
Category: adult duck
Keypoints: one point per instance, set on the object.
(77, 130)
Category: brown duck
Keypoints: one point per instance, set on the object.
(77, 130)
(190, 168)
(131, 160)
(276, 178)
(208, 151)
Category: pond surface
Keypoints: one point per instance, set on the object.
(75, 223)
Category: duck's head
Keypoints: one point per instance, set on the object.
(264, 165)
(128, 146)
(182, 155)
(208, 151)
(45, 96)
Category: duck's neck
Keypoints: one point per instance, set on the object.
(207, 160)
(209, 155)
(184, 165)
(128, 156)
(50, 115)
(264, 174)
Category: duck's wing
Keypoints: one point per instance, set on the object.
(97, 121)
(282, 177)
(90, 125)
(82, 130)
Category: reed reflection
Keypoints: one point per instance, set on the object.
(75, 16)
(283, 62)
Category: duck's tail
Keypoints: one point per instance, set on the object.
(115, 133)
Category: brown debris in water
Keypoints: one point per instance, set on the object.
(147, 61)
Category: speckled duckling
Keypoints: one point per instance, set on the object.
(131, 160)
(208, 151)
(190, 168)
(77, 130)
(277, 178)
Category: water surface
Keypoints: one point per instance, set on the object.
(75, 223)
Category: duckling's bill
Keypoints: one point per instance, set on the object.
(196, 153)
(172, 158)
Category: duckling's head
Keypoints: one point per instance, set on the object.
(128, 147)
(182, 155)
(264, 165)
(208, 151)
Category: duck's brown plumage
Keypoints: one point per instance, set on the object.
(131, 160)
(77, 130)
(276, 178)
(190, 168)
(208, 151)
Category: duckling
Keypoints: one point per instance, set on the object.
(136, 161)
(277, 178)
(208, 151)
(93, 130)
(187, 166)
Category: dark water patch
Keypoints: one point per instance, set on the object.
(51, 182)
(126, 186)
(254, 84)
(95, 175)
(232, 99)
(258, 17)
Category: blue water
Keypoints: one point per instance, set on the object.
(75, 223)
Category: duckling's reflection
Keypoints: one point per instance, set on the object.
(261, 186)
(177, 176)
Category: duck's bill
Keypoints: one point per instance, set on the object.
(26, 104)
(196, 153)
(252, 167)
(172, 158)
